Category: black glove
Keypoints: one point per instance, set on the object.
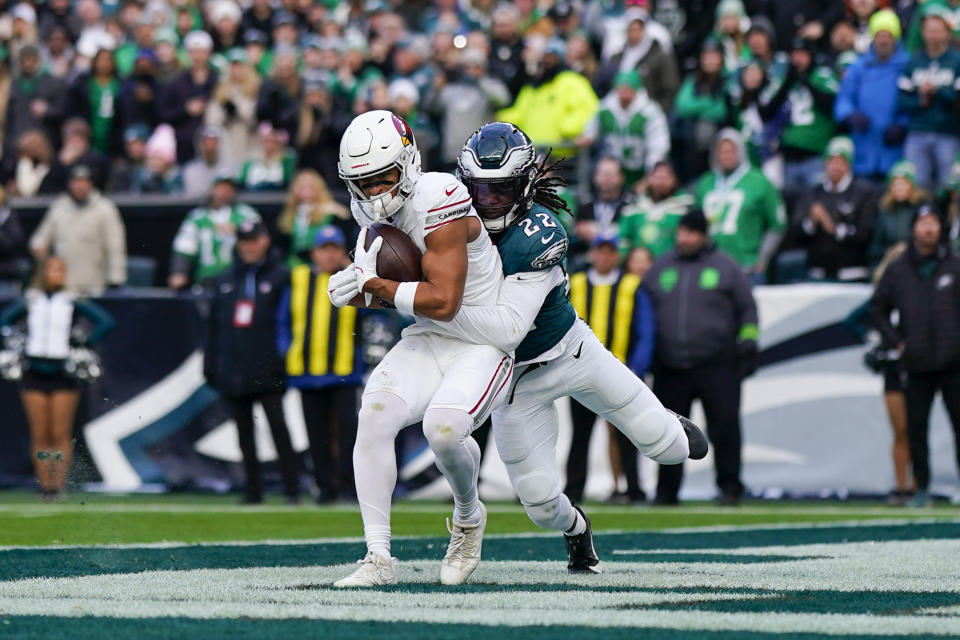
(748, 359)
(858, 122)
(230, 109)
(894, 135)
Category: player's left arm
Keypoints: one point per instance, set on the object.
(444, 267)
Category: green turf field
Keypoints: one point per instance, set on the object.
(184, 566)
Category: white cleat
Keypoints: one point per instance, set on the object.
(463, 554)
(374, 571)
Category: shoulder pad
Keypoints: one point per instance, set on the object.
(440, 199)
(535, 242)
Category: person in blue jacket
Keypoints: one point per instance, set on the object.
(867, 102)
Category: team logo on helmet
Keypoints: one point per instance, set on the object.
(406, 135)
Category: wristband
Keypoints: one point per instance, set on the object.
(403, 298)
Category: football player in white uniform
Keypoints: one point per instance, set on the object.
(560, 355)
(430, 376)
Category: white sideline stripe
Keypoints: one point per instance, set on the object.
(103, 435)
(174, 544)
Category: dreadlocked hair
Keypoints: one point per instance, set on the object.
(545, 186)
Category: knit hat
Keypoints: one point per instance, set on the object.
(903, 169)
(731, 8)
(628, 78)
(933, 10)
(163, 143)
(840, 146)
(884, 20)
(198, 39)
(695, 220)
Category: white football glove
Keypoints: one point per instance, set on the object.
(365, 261)
(342, 286)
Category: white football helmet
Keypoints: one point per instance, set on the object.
(375, 142)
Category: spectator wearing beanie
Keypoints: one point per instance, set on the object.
(836, 219)
(139, 92)
(867, 102)
(37, 101)
(160, 173)
(706, 343)
(184, 101)
(928, 93)
(898, 206)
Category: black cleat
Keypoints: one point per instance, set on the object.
(697, 442)
(581, 556)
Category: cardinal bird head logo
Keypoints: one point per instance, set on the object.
(406, 135)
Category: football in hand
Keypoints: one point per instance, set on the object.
(399, 258)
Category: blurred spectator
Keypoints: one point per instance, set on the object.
(859, 14)
(57, 53)
(127, 171)
(911, 17)
(409, 62)
(12, 243)
(746, 212)
(579, 56)
(601, 215)
(259, 16)
(32, 163)
(922, 286)
(843, 40)
(309, 207)
(630, 127)
(232, 107)
(405, 102)
(836, 219)
(867, 101)
(258, 56)
(897, 209)
(929, 95)
(241, 360)
(143, 40)
(160, 173)
(638, 261)
(644, 54)
(76, 152)
(329, 385)
(462, 100)
(203, 246)
(37, 101)
(762, 46)
(506, 48)
(555, 106)
(808, 19)
(94, 97)
(183, 102)
(319, 130)
(139, 92)
(706, 328)
(802, 110)
(169, 65)
(651, 223)
(24, 30)
(58, 15)
(702, 109)
(225, 25)
(273, 169)
(278, 101)
(84, 229)
(746, 88)
(212, 160)
(50, 397)
(731, 33)
(603, 292)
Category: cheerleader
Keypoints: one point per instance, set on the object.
(50, 395)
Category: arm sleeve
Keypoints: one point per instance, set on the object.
(284, 335)
(908, 100)
(505, 324)
(881, 304)
(13, 313)
(102, 321)
(845, 104)
(657, 134)
(116, 248)
(43, 236)
(643, 331)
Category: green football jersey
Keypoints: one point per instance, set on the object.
(809, 128)
(653, 224)
(207, 237)
(741, 208)
(535, 242)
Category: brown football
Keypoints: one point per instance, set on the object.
(399, 258)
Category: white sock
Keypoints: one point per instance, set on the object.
(579, 525)
(382, 416)
(458, 458)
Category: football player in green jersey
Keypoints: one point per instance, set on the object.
(558, 355)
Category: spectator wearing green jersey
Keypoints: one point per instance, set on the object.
(652, 221)
(203, 247)
(745, 211)
(630, 127)
(273, 170)
(929, 96)
(801, 108)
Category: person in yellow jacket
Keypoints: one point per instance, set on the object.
(557, 104)
(323, 361)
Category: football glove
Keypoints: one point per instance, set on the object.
(342, 287)
(365, 261)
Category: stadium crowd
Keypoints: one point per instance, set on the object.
(811, 133)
